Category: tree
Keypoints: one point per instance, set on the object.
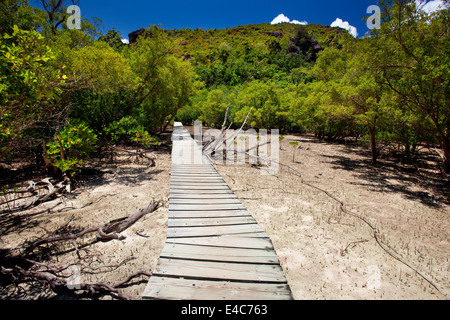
(214, 108)
(165, 82)
(30, 88)
(20, 13)
(56, 12)
(303, 39)
(351, 84)
(411, 55)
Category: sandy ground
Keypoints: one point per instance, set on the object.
(326, 254)
(127, 187)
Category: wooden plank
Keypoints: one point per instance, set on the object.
(177, 196)
(221, 254)
(180, 232)
(202, 221)
(220, 270)
(200, 188)
(205, 207)
(228, 241)
(192, 289)
(196, 177)
(189, 191)
(206, 201)
(197, 180)
(201, 169)
(188, 173)
(208, 214)
(192, 166)
(203, 184)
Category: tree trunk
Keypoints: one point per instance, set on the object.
(446, 163)
(373, 144)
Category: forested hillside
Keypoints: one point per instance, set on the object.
(64, 91)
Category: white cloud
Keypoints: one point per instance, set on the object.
(125, 41)
(281, 18)
(430, 6)
(345, 25)
(304, 23)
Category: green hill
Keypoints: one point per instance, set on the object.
(257, 36)
(240, 54)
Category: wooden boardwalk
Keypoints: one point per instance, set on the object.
(215, 249)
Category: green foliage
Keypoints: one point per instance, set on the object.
(214, 108)
(21, 14)
(165, 83)
(391, 87)
(29, 87)
(70, 146)
(99, 68)
(414, 64)
(128, 128)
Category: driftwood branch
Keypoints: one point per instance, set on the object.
(109, 231)
(135, 153)
(210, 148)
(23, 270)
(53, 191)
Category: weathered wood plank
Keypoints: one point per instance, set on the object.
(220, 270)
(200, 188)
(197, 181)
(223, 254)
(179, 196)
(188, 190)
(176, 289)
(209, 231)
(194, 172)
(195, 178)
(200, 184)
(205, 201)
(205, 207)
(228, 241)
(203, 221)
(208, 214)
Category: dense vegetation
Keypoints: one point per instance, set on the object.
(62, 91)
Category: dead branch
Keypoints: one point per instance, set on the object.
(222, 131)
(351, 244)
(109, 231)
(239, 131)
(26, 270)
(20, 268)
(135, 153)
(60, 188)
(220, 140)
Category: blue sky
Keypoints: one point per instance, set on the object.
(127, 16)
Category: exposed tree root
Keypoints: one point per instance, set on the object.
(109, 231)
(19, 268)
